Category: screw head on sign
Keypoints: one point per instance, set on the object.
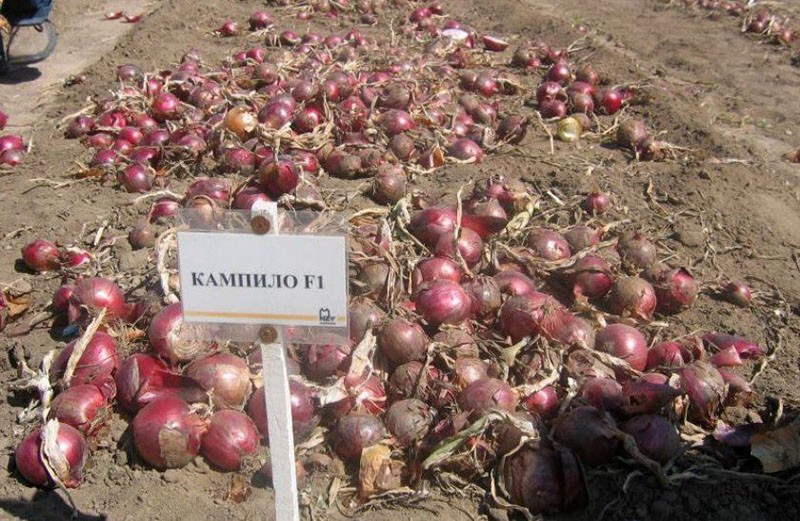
(268, 334)
(260, 224)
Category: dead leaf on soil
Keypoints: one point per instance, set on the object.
(378, 472)
(239, 491)
(778, 450)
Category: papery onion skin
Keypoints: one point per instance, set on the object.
(355, 432)
(167, 434)
(141, 378)
(231, 437)
(73, 448)
(623, 342)
(705, 387)
(225, 376)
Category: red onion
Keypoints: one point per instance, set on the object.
(388, 185)
(632, 296)
(532, 314)
(61, 298)
(550, 90)
(633, 135)
(727, 357)
(225, 376)
(486, 393)
(142, 378)
(165, 106)
(79, 127)
(3, 120)
(513, 282)
(229, 28)
(603, 393)
(104, 159)
(307, 120)
(706, 390)
(85, 407)
(744, 347)
(404, 379)
(166, 338)
(408, 421)
(665, 354)
(485, 217)
(738, 292)
(597, 203)
(355, 432)
(301, 399)
(548, 244)
(363, 314)
(41, 255)
(676, 290)
(325, 360)
(442, 302)
(238, 160)
(575, 331)
(553, 108)
(363, 395)
(485, 295)
(738, 388)
(12, 158)
(465, 149)
(402, 341)
(435, 268)
(544, 402)
(143, 235)
(512, 129)
(469, 369)
(372, 279)
(231, 437)
(586, 431)
(623, 342)
(591, 277)
(649, 394)
(167, 434)
(470, 246)
(68, 464)
(494, 43)
(609, 101)
(11, 142)
(94, 293)
(656, 437)
(136, 178)
(429, 224)
(279, 177)
(636, 250)
(544, 481)
(395, 121)
(98, 360)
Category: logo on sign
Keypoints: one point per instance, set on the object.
(325, 316)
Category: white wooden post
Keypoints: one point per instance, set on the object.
(278, 399)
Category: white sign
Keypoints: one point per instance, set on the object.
(244, 278)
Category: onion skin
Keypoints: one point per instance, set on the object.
(231, 437)
(486, 393)
(442, 302)
(225, 376)
(355, 432)
(95, 293)
(706, 390)
(656, 437)
(99, 360)
(408, 421)
(647, 396)
(623, 342)
(485, 295)
(402, 341)
(585, 430)
(676, 290)
(634, 297)
(167, 434)
(582, 237)
(73, 448)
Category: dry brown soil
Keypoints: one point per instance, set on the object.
(729, 207)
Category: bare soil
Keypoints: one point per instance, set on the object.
(728, 207)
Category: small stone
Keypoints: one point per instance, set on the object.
(171, 476)
(690, 237)
(121, 458)
(200, 466)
